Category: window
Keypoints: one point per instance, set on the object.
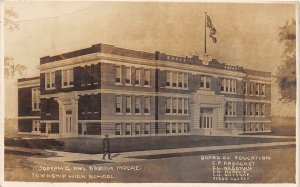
(50, 80)
(118, 128)
(35, 99)
(128, 104)
(251, 88)
(128, 129)
(168, 107)
(118, 74)
(35, 125)
(137, 129)
(252, 109)
(257, 109)
(245, 109)
(137, 105)
(67, 77)
(180, 111)
(230, 108)
(223, 83)
(185, 84)
(228, 85)
(118, 104)
(128, 75)
(137, 76)
(185, 128)
(147, 128)
(204, 81)
(180, 80)
(234, 86)
(263, 90)
(174, 105)
(174, 79)
(186, 105)
(147, 77)
(257, 89)
(174, 128)
(147, 105)
(168, 128)
(179, 127)
(245, 88)
(168, 81)
(263, 109)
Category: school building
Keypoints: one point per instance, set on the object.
(104, 89)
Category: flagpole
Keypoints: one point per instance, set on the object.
(205, 34)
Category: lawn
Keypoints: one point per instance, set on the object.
(94, 145)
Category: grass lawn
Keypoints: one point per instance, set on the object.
(94, 145)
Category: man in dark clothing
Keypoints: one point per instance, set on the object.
(106, 147)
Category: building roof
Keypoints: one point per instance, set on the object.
(111, 49)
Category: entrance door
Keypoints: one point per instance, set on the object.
(206, 121)
(206, 118)
(68, 122)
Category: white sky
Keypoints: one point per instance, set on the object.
(247, 34)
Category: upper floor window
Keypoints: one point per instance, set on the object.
(180, 80)
(251, 88)
(35, 99)
(263, 109)
(228, 85)
(67, 78)
(245, 88)
(257, 89)
(263, 90)
(176, 106)
(137, 105)
(128, 104)
(257, 109)
(147, 77)
(128, 75)
(230, 108)
(118, 74)
(185, 82)
(204, 81)
(137, 76)
(147, 105)
(50, 80)
(176, 80)
(118, 104)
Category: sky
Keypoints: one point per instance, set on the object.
(247, 34)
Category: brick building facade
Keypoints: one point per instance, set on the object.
(109, 90)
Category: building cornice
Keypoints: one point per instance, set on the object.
(29, 83)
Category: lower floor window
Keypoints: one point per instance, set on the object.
(118, 129)
(128, 129)
(147, 128)
(36, 125)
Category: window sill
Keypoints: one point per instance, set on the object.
(119, 114)
(176, 88)
(48, 114)
(228, 92)
(128, 84)
(230, 115)
(53, 88)
(70, 86)
(176, 114)
(118, 83)
(36, 110)
(147, 86)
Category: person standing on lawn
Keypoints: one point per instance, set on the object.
(106, 148)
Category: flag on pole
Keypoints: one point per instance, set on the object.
(213, 30)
